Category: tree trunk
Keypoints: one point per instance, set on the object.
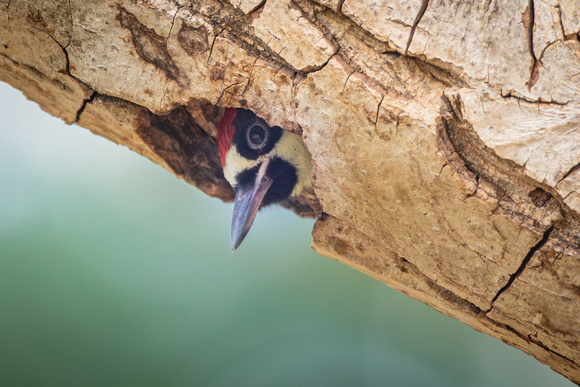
(445, 137)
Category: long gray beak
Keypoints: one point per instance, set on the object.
(247, 204)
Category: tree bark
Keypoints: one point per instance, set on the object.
(444, 136)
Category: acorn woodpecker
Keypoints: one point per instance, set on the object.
(265, 165)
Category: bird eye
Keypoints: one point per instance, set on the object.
(257, 136)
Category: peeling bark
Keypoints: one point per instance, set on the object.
(446, 165)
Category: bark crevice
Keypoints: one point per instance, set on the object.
(514, 94)
(508, 186)
(523, 265)
(86, 101)
(422, 9)
(528, 19)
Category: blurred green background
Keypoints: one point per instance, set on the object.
(115, 273)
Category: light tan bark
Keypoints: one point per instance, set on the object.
(445, 137)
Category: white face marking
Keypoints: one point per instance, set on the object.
(290, 148)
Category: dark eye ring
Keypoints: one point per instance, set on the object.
(257, 136)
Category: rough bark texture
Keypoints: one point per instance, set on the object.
(445, 137)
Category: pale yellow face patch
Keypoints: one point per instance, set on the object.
(236, 163)
(290, 148)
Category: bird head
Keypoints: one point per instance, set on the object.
(265, 165)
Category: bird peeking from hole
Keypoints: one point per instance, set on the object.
(265, 165)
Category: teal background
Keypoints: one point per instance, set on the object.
(115, 273)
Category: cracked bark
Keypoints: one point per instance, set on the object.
(257, 8)
(522, 267)
(528, 20)
(422, 155)
(570, 172)
(420, 14)
(84, 105)
(511, 94)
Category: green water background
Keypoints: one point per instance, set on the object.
(115, 273)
